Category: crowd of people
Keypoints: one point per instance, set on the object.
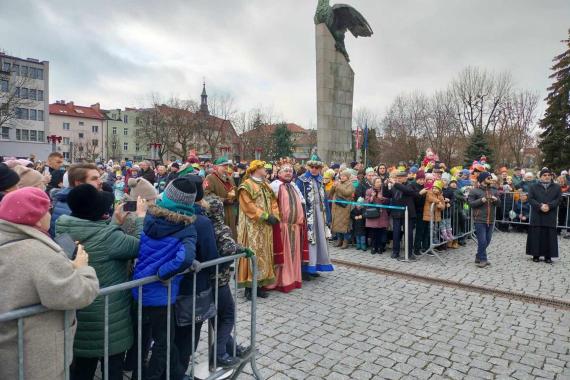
(133, 220)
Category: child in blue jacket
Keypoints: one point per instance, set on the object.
(167, 248)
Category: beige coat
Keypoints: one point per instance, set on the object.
(34, 270)
(341, 215)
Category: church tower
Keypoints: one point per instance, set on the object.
(204, 103)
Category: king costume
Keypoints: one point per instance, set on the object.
(224, 187)
(316, 208)
(290, 228)
(257, 204)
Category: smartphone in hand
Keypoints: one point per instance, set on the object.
(130, 206)
(67, 244)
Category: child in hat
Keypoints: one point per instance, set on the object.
(358, 224)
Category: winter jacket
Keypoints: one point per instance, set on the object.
(110, 251)
(439, 205)
(363, 186)
(521, 208)
(34, 270)
(59, 208)
(550, 196)
(167, 247)
(358, 225)
(149, 175)
(483, 212)
(206, 250)
(403, 196)
(343, 191)
(384, 220)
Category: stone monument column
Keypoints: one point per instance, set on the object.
(335, 89)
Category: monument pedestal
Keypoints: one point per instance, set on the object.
(335, 89)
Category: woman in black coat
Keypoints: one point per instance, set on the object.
(544, 198)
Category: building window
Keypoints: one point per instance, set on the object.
(24, 93)
(40, 95)
(137, 147)
(65, 155)
(33, 135)
(114, 116)
(4, 85)
(66, 141)
(17, 92)
(126, 146)
(32, 72)
(25, 113)
(125, 131)
(32, 94)
(18, 134)
(95, 142)
(94, 128)
(40, 115)
(114, 130)
(80, 135)
(126, 119)
(33, 114)
(114, 146)
(25, 135)
(6, 67)
(66, 126)
(5, 133)
(16, 69)
(81, 123)
(24, 71)
(40, 74)
(40, 136)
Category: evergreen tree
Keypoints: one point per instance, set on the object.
(282, 142)
(555, 138)
(478, 146)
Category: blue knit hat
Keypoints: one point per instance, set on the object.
(179, 196)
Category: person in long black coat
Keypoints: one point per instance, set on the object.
(544, 198)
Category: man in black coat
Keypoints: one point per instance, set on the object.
(403, 195)
(544, 198)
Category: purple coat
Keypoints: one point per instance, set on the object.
(384, 220)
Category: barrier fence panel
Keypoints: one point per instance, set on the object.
(213, 372)
(456, 223)
(514, 209)
(388, 207)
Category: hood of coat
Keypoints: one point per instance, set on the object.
(62, 194)
(160, 222)
(80, 229)
(11, 231)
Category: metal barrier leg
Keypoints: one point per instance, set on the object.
(139, 334)
(254, 369)
(106, 358)
(21, 348)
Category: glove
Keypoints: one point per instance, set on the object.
(196, 266)
(248, 252)
(272, 220)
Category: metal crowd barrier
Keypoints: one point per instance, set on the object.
(511, 207)
(213, 371)
(406, 226)
(458, 219)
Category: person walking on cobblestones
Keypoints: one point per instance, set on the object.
(544, 198)
(483, 201)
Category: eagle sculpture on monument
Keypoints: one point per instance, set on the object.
(338, 19)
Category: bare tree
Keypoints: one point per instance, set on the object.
(113, 149)
(222, 106)
(154, 129)
(518, 124)
(479, 97)
(82, 150)
(14, 99)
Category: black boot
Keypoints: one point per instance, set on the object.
(262, 293)
(305, 276)
(248, 294)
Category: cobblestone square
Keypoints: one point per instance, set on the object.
(354, 324)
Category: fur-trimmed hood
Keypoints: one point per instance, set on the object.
(160, 222)
(170, 216)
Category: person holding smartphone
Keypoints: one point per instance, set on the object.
(35, 270)
(112, 251)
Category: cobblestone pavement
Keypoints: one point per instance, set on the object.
(353, 324)
(511, 269)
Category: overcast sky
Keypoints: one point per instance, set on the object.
(262, 52)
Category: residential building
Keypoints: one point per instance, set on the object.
(258, 142)
(123, 136)
(24, 107)
(81, 129)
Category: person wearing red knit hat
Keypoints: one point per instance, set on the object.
(35, 270)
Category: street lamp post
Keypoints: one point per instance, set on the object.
(258, 153)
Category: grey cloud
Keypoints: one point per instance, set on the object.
(262, 51)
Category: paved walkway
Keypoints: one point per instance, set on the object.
(353, 324)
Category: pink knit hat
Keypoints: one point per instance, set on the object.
(24, 206)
